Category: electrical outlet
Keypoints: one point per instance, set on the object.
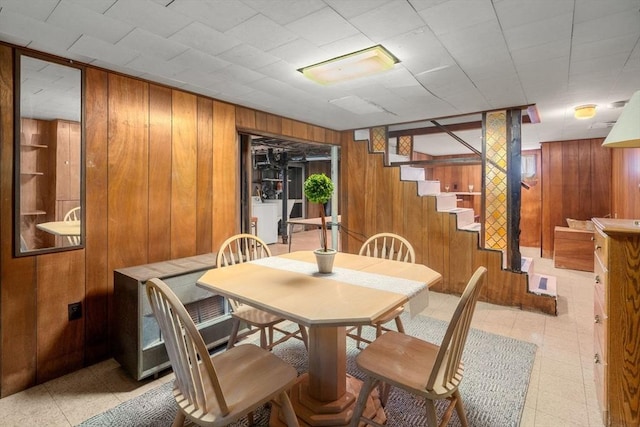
(75, 310)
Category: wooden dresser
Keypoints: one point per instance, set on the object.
(617, 320)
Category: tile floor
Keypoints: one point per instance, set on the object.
(561, 391)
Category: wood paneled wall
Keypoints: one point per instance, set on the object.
(375, 200)
(625, 185)
(531, 206)
(576, 183)
(162, 181)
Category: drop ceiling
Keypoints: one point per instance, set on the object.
(457, 56)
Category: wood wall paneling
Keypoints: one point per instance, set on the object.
(128, 185)
(576, 183)
(97, 274)
(184, 158)
(531, 206)
(625, 187)
(60, 348)
(160, 172)
(18, 281)
(204, 186)
(226, 176)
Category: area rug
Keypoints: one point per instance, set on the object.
(494, 387)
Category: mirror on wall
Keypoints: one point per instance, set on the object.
(48, 156)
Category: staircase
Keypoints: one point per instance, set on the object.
(539, 284)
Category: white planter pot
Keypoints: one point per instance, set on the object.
(325, 260)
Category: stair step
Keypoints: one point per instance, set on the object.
(541, 284)
(474, 226)
(445, 202)
(398, 158)
(428, 188)
(464, 217)
(526, 265)
(409, 173)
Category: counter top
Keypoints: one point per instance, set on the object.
(610, 225)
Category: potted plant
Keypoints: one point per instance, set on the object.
(318, 188)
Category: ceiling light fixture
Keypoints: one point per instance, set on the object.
(351, 66)
(585, 111)
(626, 132)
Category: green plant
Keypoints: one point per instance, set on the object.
(318, 188)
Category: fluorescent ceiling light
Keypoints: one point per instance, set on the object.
(626, 132)
(585, 111)
(351, 66)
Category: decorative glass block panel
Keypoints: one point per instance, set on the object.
(495, 180)
(405, 145)
(378, 139)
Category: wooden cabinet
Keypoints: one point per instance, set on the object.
(617, 320)
(138, 344)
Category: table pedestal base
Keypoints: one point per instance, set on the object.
(337, 413)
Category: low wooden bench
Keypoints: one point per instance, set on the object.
(573, 248)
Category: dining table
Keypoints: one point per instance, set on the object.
(61, 228)
(360, 290)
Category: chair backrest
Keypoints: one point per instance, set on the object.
(388, 246)
(73, 215)
(193, 368)
(450, 354)
(241, 248)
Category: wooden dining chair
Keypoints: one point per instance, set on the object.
(73, 215)
(388, 246)
(217, 390)
(419, 367)
(243, 248)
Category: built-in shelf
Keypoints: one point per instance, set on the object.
(27, 213)
(31, 173)
(34, 146)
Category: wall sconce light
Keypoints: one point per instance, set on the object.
(351, 66)
(585, 111)
(626, 132)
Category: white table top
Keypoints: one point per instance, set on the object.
(61, 228)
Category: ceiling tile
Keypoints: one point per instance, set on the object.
(24, 27)
(103, 51)
(558, 28)
(350, 9)
(587, 10)
(201, 37)
(38, 10)
(149, 15)
(322, 27)
(151, 64)
(219, 15)
(608, 26)
(239, 74)
(388, 20)
(248, 56)
(261, 32)
(542, 52)
(285, 11)
(151, 44)
(300, 52)
(604, 47)
(192, 58)
(75, 18)
(455, 15)
(99, 6)
(519, 13)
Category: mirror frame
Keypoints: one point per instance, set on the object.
(17, 217)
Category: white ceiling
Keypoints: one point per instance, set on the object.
(457, 56)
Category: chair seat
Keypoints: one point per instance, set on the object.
(248, 375)
(256, 317)
(406, 362)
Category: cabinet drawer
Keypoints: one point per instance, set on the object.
(601, 280)
(600, 328)
(601, 246)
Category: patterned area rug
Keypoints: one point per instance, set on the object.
(494, 387)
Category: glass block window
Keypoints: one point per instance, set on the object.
(405, 145)
(495, 180)
(378, 139)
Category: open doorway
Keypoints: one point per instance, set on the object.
(274, 170)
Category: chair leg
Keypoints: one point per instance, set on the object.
(460, 409)
(358, 409)
(399, 325)
(263, 339)
(383, 390)
(178, 421)
(305, 336)
(233, 336)
(250, 419)
(432, 419)
(287, 409)
(359, 340)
